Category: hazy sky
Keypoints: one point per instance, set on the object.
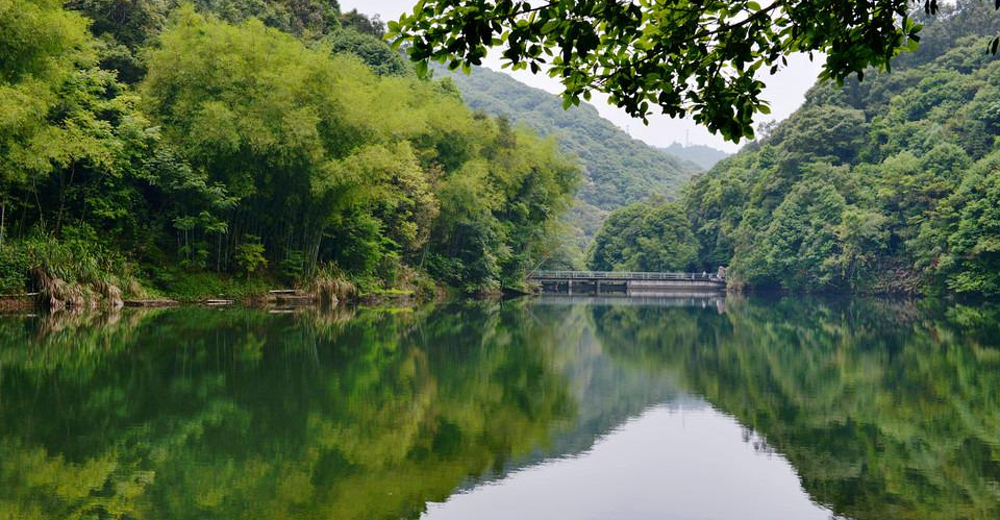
(785, 90)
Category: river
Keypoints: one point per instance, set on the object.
(552, 408)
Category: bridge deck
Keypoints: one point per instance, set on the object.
(621, 276)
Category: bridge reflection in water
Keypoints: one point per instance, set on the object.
(704, 300)
(627, 283)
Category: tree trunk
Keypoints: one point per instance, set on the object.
(63, 187)
(38, 202)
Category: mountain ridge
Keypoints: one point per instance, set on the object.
(618, 168)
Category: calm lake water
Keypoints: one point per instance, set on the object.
(546, 409)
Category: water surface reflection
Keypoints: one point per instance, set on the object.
(793, 408)
(685, 461)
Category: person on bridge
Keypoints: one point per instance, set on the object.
(722, 273)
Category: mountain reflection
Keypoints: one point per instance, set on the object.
(885, 410)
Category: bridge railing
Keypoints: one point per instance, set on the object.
(621, 275)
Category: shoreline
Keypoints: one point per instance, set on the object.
(275, 299)
(31, 303)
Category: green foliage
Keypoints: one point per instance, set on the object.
(40, 42)
(884, 185)
(618, 169)
(370, 26)
(197, 286)
(15, 263)
(40, 48)
(78, 258)
(700, 58)
(125, 27)
(313, 138)
(250, 256)
(305, 18)
(494, 221)
(800, 245)
(122, 28)
(967, 227)
(649, 236)
(293, 264)
(372, 50)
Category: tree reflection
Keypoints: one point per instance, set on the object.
(886, 409)
(201, 414)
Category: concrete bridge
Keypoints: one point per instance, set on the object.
(627, 283)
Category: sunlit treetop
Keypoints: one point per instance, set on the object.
(702, 58)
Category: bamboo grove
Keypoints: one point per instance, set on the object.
(148, 140)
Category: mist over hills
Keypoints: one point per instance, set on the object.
(704, 156)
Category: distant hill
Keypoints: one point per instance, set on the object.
(618, 169)
(703, 156)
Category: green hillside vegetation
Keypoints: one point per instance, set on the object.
(285, 144)
(890, 184)
(647, 236)
(617, 169)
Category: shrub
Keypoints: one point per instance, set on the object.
(250, 256)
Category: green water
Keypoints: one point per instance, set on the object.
(554, 408)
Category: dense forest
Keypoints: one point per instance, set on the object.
(191, 148)
(171, 146)
(890, 184)
(649, 236)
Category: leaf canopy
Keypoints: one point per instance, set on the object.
(700, 58)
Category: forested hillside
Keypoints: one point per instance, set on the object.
(649, 236)
(171, 145)
(890, 184)
(617, 169)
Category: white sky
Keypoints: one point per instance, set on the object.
(785, 90)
